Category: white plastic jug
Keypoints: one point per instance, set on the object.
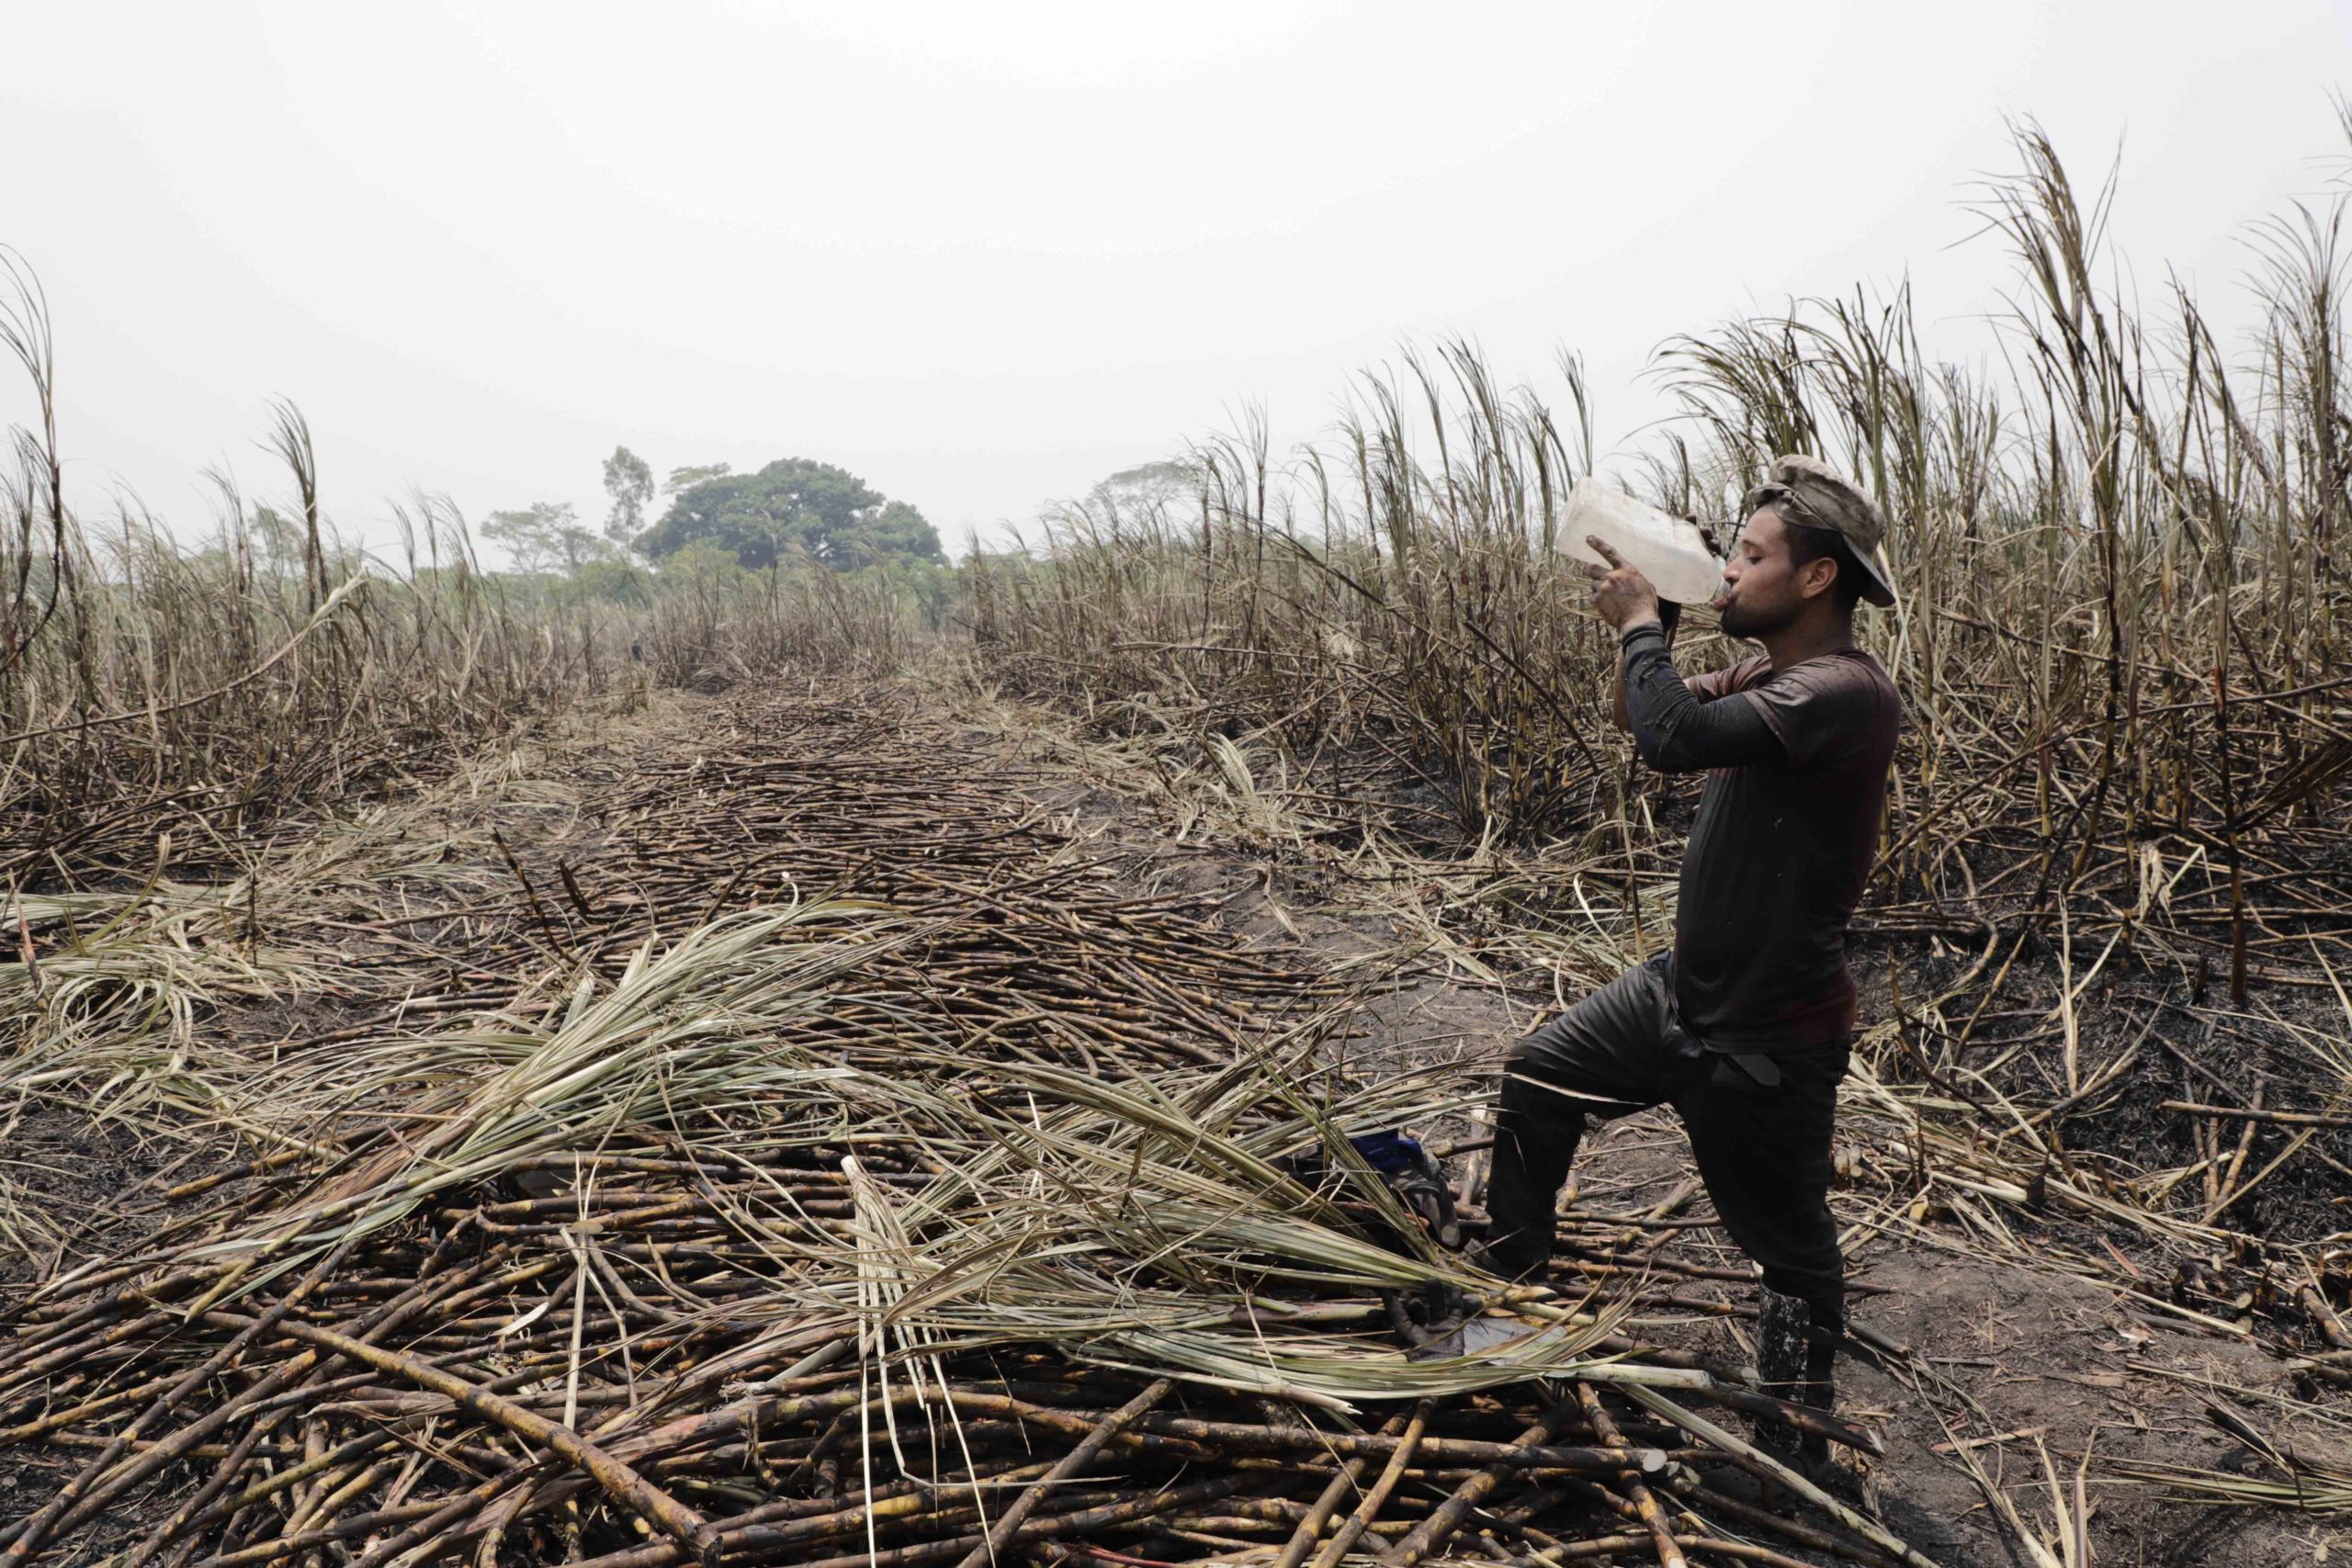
(1672, 552)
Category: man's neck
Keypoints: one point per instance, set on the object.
(1808, 637)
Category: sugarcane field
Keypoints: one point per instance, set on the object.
(1732, 946)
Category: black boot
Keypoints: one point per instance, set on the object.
(1521, 1227)
(1796, 1353)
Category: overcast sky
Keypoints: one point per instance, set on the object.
(983, 256)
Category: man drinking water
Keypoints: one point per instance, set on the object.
(1743, 1027)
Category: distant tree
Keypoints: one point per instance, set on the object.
(280, 537)
(545, 537)
(629, 480)
(1146, 495)
(686, 478)
(899, 531)
(1150, 485)
(827, 513)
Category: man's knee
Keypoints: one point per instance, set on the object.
(1529, 1070)
(1599, 1054)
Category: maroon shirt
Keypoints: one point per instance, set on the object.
(1779, 855)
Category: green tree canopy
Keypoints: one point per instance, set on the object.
(829, 513)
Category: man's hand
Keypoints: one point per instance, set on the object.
(1621, 595)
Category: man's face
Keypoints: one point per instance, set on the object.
(1761, 594)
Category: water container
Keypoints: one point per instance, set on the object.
(1673, 553)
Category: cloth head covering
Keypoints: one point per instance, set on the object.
(1810, 493)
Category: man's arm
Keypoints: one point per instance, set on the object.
(1673, 731)
(1669, 613)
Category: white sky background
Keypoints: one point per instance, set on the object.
(983, 256)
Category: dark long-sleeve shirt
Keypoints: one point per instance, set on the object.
(1673, 731)
(1786, 832)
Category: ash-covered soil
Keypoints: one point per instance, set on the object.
(2012, 1365)
(2018, 1364)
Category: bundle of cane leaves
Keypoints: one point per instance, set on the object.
(2287, 1478)
(107, 989)
(693, 1039)
(106, 1003)
(1117, 1209)
(764, 1249)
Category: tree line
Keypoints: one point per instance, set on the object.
(793, 508)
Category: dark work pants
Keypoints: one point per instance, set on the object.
(1762, 1152)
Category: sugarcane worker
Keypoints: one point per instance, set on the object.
(1743, 1027)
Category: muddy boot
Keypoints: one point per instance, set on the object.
(1518, 1248)
(1795, 1355)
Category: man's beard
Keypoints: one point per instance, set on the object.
(1741, 620)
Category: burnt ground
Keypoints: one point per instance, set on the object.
(1999, 1360)
(2018, 1367)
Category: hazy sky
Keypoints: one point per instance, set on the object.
(985, 254)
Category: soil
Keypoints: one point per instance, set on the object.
(1997, 1360)
(2013, 1362)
